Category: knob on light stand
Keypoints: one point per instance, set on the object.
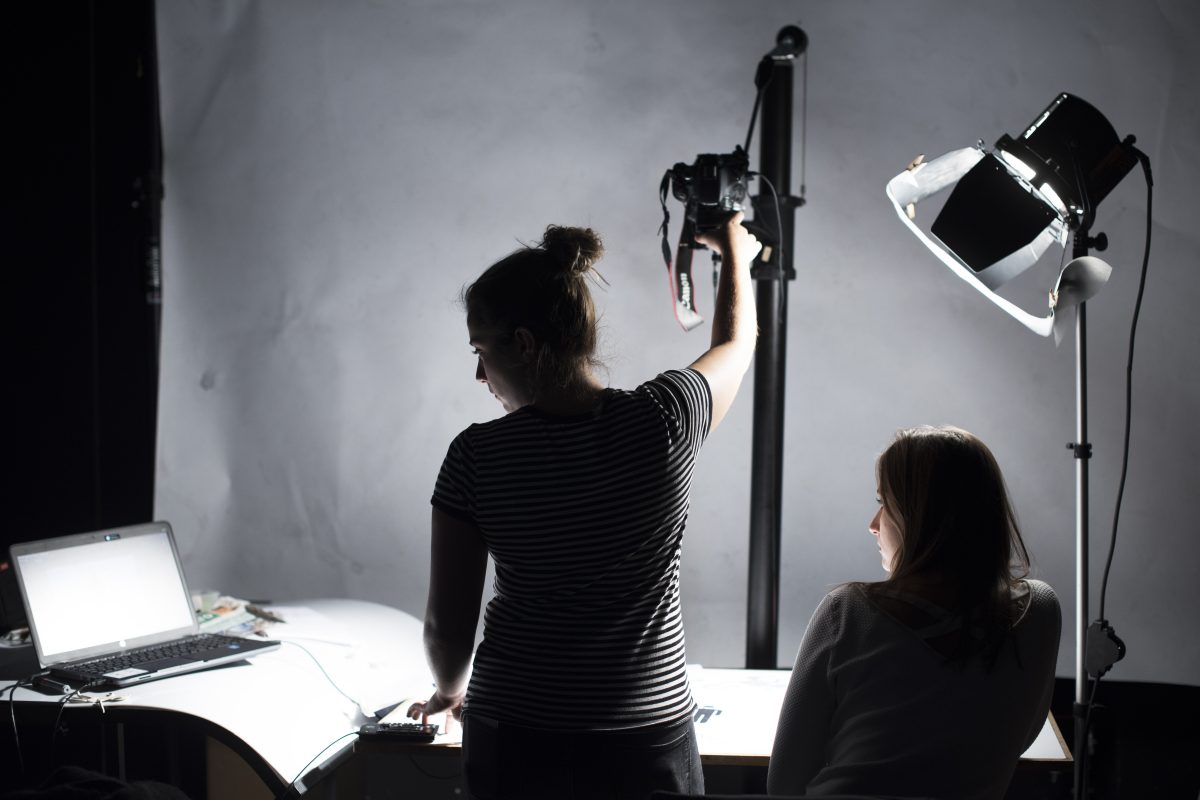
(790, 43)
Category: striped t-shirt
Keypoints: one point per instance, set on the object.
(583, 517)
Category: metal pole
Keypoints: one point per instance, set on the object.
(1082, 455)
(770, 363)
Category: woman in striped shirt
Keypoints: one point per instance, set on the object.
(579, 494)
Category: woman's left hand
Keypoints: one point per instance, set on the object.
(436, 704)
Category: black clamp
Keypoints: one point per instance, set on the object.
(1081, 450)
(1102, 648)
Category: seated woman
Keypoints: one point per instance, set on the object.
(932, 682)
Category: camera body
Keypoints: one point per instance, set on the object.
(712, 188)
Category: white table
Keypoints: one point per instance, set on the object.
(283, 716)
(739, 708)
(278, 711)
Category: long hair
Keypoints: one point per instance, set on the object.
(544, 289)
(946, 493)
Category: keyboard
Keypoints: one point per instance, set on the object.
(193, 648)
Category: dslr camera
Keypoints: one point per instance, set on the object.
(712, 188)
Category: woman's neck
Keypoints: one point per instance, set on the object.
(580, 396)
(931, 586)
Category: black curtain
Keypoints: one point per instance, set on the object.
(82, 304)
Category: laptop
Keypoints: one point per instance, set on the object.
(111, 608)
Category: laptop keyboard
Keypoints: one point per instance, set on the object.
(183, 648)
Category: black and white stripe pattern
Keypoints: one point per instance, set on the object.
(583, 517)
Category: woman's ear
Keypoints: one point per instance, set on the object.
(526, 344)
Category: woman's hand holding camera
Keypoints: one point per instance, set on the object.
(737, 245)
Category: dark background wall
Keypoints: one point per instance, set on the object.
(82, 296)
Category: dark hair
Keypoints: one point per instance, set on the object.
(543, 288)
(944, 490)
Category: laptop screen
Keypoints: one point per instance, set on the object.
(102, 592)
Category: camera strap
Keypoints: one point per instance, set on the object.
(679, 273)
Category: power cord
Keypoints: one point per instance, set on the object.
(1137, 309)
(12, 712)
(1103, 647)
(412, 759)
(62, 703)
(291, 791)
(323, 672)
(778, 219)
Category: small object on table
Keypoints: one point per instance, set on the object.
(401, 731)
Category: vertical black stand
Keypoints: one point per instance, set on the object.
(1083, 452)
(772, 272)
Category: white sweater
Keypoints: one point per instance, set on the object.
(872, 710)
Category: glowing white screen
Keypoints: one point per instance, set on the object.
(104, 592)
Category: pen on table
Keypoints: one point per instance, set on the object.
(263, 613)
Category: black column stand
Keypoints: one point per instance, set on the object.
(772, 272)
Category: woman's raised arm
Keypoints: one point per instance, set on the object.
(735, 318)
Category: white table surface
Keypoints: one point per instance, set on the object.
(279, 703)
(283, 708)
(739, 708)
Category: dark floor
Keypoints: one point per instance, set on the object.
(1145, 739)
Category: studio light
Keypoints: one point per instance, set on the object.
(1006, 208)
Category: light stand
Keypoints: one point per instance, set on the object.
(1006, 208)
(1082, 450)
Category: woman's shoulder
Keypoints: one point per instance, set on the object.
(847, 600)
(851, 592)
(831, 619)
(686, 380)
(1039, 593)
(682, 395)
(850, 618)
(668, 382)
(493, 435)
(1039, 603)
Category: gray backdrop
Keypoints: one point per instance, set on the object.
(337, 171)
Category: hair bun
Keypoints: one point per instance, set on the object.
(575, 250)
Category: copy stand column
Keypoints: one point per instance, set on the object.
(772, 272)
